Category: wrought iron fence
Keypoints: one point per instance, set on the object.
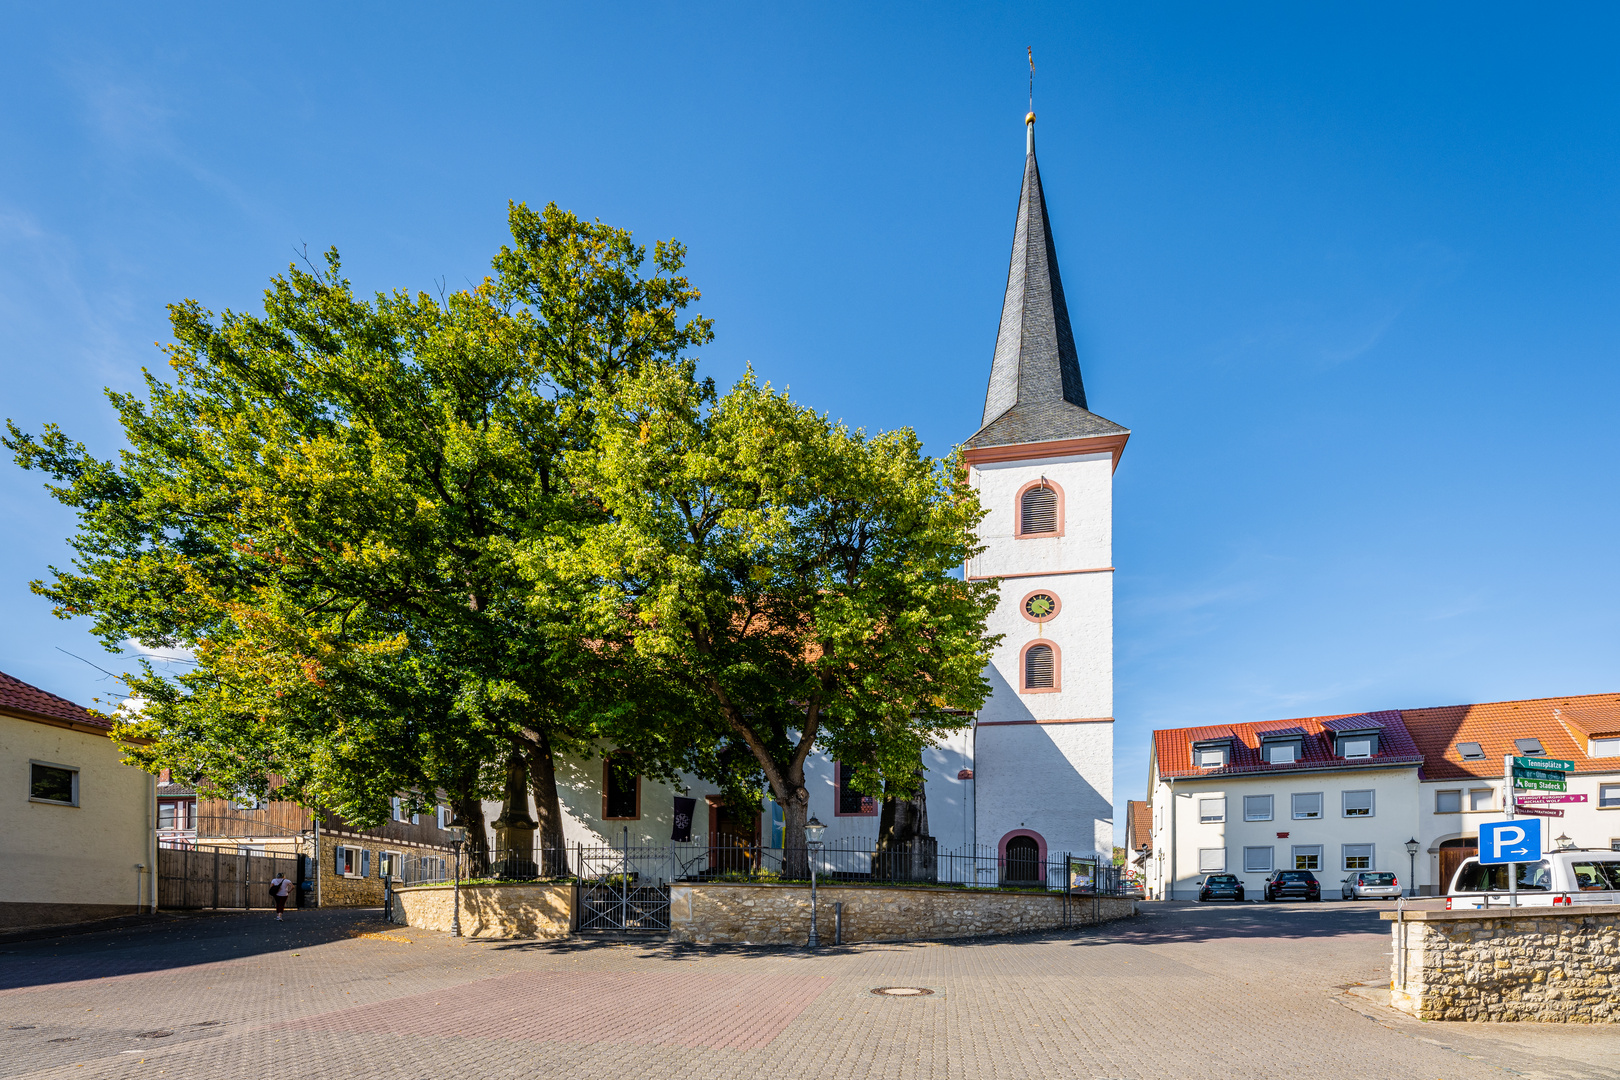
(731, 859)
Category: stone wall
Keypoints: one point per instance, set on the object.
(780, 914)
(1540, 963)
(490, 911)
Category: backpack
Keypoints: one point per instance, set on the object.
(275, 888)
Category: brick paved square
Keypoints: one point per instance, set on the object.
(1184, 991)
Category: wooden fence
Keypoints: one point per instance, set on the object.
(220, 878)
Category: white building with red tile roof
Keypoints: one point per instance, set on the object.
(1338, 793)
(1327, 794)
(80, 840)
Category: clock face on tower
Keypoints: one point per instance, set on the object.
(1040, 606)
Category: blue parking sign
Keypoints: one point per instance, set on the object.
(1510, 841)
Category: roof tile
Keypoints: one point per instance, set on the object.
(18, 697)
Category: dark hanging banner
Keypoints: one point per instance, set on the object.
(684, 809)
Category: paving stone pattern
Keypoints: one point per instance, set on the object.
(1183, 991)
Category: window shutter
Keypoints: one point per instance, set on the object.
(337, 860)
(365, 863)
(416, 819)
(1038, 511)
(1039, 671)
(396, 809)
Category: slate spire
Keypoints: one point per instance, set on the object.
(1035, 394)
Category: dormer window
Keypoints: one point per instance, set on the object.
(1471, 751)
(1528, 746)
(1358, 746)
(1280, 753)
(1210, 757)
(1605, 747)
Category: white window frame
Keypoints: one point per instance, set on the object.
(74, 769)
(1345, 856)
(1271, 749)
(1605, 747)
(1293, 805)
(1490, 800)
(1205, 817)
(1372, 803)
(1271, 808)
(445, 816)
(1346, 743)
(1609, 796)
(390, 863)
(352, 857)
(1306, 851)
(1249, 861)
(1219, 751)
(1208, 856)
(1441, 792)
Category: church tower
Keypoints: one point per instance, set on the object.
(1043, 464)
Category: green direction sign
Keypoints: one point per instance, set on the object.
(1556, 764)
(1537, 774)
(1540, 785)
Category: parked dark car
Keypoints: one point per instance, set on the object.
(1300, 883)
(1221, 887)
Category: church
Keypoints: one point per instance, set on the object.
(1032, 778)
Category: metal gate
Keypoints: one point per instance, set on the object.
(624, 888)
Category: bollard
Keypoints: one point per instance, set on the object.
(838, 923)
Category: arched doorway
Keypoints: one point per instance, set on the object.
(1023, 862)
(1452, 854)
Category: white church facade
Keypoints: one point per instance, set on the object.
(1034, 772)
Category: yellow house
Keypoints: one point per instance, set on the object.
(79, 843)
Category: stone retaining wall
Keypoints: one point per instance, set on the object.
(532, 910)
(1541, 963)
(780, 914)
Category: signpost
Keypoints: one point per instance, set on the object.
(1512, 843)
(1550, 799)
(1555, 764)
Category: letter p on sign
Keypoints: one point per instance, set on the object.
(1510, 841)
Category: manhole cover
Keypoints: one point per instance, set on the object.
(161, 1033)
(902, 991)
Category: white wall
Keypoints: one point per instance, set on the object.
(74, 855)
(1035, 769)
(1393, 823)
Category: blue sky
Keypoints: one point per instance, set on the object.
(1348, 273)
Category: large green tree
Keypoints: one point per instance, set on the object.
(324, 502)
(794, 583)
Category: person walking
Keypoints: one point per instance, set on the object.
(280, 886)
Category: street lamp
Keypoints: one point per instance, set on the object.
(812, 838)
(458, 836)
(1411, 858)
(1564, 842)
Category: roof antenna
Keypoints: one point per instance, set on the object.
(1029, 121)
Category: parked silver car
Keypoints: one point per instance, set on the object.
(1370, 885)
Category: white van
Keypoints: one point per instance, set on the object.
(1574, 876)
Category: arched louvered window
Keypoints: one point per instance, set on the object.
(1040, 668)
(1038, 511)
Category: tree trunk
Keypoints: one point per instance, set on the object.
(469, 811)
(905, 851)
(553, 849)
(795, 812)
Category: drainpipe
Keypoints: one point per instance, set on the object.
(1170, 890)
(315, 816)
(151, 841)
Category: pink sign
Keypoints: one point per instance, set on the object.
(1544, 799)
(1541, 811)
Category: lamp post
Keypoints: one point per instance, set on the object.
(458, 836)
(1411, 859)
(812, 838)
(1564, 842)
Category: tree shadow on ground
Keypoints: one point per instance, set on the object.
(179, 941)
